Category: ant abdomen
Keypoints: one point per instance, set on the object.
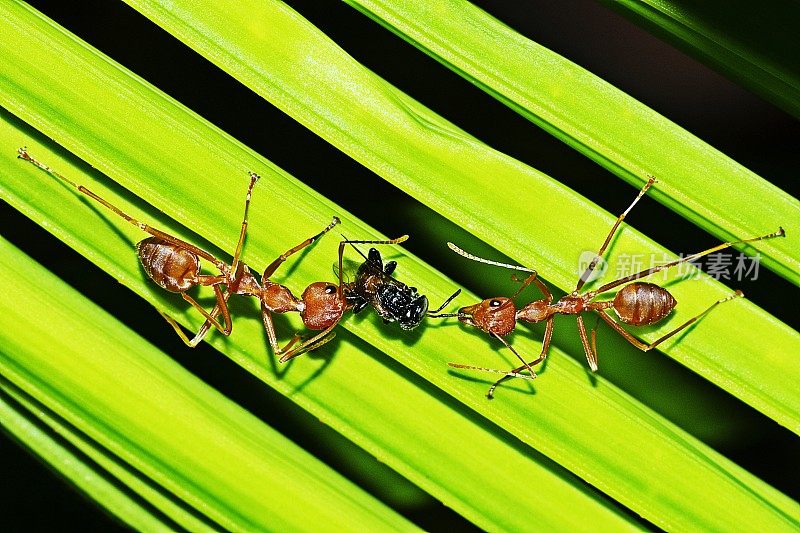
(642, 304)
(174, 268)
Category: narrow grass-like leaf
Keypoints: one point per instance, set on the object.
(18, 422)
(104, 379)
(101, 466)
(452, 455)
(172, 158)
(756, 47)
(518, 210)
(602, 122)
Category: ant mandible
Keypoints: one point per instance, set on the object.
(637, 304)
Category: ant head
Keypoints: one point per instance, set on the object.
(402, 304)
(494, 315)
(323, 305)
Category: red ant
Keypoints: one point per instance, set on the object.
(637, 304)
(174, 264)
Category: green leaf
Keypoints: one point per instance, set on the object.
(142, 407)
(602, 122)
(173, 159)
(18, 422)
(95, 470)
(756, 47)
(435, 162)
(450, 453)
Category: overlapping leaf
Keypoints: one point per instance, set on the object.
(133, 403)
(597, 119)
(169, 157)
(520, 211)
(756, 47)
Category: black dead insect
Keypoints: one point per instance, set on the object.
(393, 300)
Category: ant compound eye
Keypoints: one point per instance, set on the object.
(495, 303)
(330, 289)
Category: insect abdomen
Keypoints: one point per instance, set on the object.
(642, 304)
(174, 269)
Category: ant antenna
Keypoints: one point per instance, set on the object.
(446, 315)
(450, 299)
(397, 240)
(468, 255)
(354, 246)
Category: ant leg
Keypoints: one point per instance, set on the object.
(508, 373)
(221, 306)
(235, 264)
(591, 355)
(296, 337)
(310, 344)
(269, 327)
(548, 335)
(585, 276)
(22, 153)
(508, 345)
(344, 243)
(527, 281)
(647, 347)
(594, 336)
(545, 291)
(270, 270)
(659, 268)
(177, 327)
(532, 278)
(539, 283)
(306, 346)
(516, 372)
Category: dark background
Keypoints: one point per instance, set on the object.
(740, 124)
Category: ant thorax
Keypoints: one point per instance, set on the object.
(245, 283)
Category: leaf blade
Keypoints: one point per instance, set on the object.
(754, 48)
(567, 394)
(360, 376)
(434, 161)
(598, 120)
(147, 410)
